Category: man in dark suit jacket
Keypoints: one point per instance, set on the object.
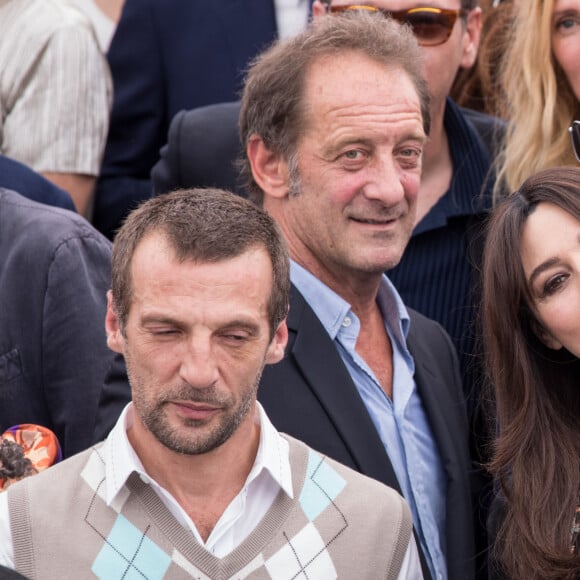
(338, 165)
(165, 56)
(54, 274)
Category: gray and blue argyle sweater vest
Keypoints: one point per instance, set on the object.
(340, 524)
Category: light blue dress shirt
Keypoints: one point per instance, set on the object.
(401, 422)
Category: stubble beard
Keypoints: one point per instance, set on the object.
(193, 436)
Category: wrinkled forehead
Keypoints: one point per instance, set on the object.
(354, 82)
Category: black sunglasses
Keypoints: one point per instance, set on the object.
(431, 26)
(574, 130)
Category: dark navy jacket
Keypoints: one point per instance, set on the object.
(55, 270)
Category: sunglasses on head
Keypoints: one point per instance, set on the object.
(574, 130)
(431, 26)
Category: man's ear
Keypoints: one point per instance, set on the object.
(318, 9)
(545, 335)
(471, 36)
(278, 344)
(115, 338)
(270, 170)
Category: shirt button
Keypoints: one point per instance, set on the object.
(346, 322)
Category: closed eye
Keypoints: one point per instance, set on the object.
(163, 331)
(236, 337)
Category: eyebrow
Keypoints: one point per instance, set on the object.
(549, 263)
(251, 327)
(247, 325)
(546, 265)
(158, 319)
(334, 148)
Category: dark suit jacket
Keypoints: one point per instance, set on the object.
(55, 270)
(311, 396)
(202, 148)
(20, 178)
(169, 55)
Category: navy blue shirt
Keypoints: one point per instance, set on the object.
(20, 178)
(436, 275)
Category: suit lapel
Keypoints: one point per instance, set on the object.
(318, 359)
(438, 404)
(448, 425)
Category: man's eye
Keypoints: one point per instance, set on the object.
(353, 154)
(235, 338)
(163, 331)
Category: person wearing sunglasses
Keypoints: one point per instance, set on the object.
(541, 83)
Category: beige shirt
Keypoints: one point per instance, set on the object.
(55, 88)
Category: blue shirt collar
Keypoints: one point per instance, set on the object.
(331, 309)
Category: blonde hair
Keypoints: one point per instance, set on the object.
(538, 100)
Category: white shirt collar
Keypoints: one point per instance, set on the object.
(121, 460)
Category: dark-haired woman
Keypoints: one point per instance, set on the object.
(531, 331)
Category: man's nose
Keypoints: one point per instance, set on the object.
(198, 365)
(385, 181)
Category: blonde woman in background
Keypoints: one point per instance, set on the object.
(541, 79)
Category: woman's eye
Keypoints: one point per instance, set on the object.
(566, 23)
(553, 284)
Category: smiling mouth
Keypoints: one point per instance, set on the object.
(372, 222)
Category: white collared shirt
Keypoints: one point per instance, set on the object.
(270, 473)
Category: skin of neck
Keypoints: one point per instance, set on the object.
(200, 477)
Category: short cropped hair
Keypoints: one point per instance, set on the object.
(272, 101)
(202, 225)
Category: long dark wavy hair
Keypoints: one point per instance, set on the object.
(536, 456)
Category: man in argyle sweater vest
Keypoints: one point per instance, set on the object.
(338, 525)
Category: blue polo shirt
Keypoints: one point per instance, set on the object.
(401, 422)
